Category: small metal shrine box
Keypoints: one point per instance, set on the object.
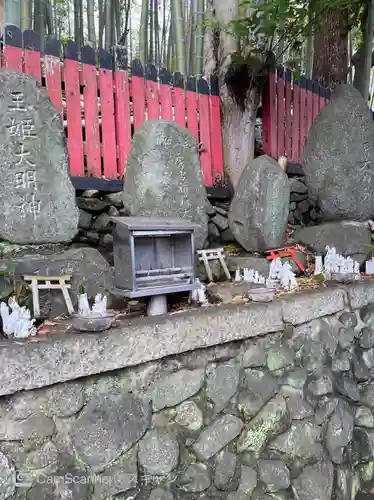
(153, 256)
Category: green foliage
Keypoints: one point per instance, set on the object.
(81, 288)
(10, 286)
(272, 22)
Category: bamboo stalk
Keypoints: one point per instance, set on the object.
(91, 22)
(180, 43)
(199, 38)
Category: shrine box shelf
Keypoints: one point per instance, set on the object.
(153, 256)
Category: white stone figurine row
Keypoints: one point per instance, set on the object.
(281, 272)
(335, 263)
(17, 322)
(98, 308)
(249, 275)
(198, 295)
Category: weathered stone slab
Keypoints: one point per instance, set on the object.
(37, 198)
(361, 294)
(222, 384)
(175, 388)
(117, 478)
(271, 420)
(338, 159)
(304, 307)
(315, 481)
(259, 211)
(158, 452)
(349, 238)
(137, 341)
(259, 264)
(108, 426)
(163, 175)
(217, 436)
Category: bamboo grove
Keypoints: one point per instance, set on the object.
(164, 32)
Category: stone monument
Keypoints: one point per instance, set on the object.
(37, 198)
(338, 158)
(163, 176)
(259, 211)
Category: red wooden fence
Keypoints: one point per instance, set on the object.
(102, 105)
(288, 110)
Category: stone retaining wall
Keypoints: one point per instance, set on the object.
(255, 402)
(95, 209)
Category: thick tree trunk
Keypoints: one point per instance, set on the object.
(330, 62)
(363, 59)
(238, 113)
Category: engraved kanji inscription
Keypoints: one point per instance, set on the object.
(31, 207)
(24, 157)
(25, 180)
(18, 102)
(24, 129)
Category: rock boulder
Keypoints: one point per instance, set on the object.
(85, 264)
(37, 198)
(349, 238)
(163, 176)
(338, 158)
(259, 211)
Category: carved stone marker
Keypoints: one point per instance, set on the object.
(259, 211)
(37, 198)
(163, 176)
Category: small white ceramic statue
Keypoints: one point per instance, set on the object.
(275, 267)
(198, 295)
(287, 277)
(369, 266)
(318, 265)
(238, 276)
(83, 305)
(281, 273)
(336, 263)
(250, 276)
(98, 308)
(18, 322)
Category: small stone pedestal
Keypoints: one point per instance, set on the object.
(157, 305)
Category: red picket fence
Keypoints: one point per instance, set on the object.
(288, 110)
(102, 103)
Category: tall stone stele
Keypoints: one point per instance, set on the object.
(259, 211)
(37, 198)
(338, 159)
(163, 176)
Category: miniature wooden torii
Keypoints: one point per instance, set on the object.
(49, 283)
(213, 254)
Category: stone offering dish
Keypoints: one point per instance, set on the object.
(93, 322)
(261, 294)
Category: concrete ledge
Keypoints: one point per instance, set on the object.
(303, 307)
(30, 364)
(58, 359)
(361, 294)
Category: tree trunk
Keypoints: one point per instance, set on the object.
(330, 63)
(363, 59)
(238, 115)
(108, 23)
(309, 53)
(143, 33)
(91, 22)
(26, 22)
